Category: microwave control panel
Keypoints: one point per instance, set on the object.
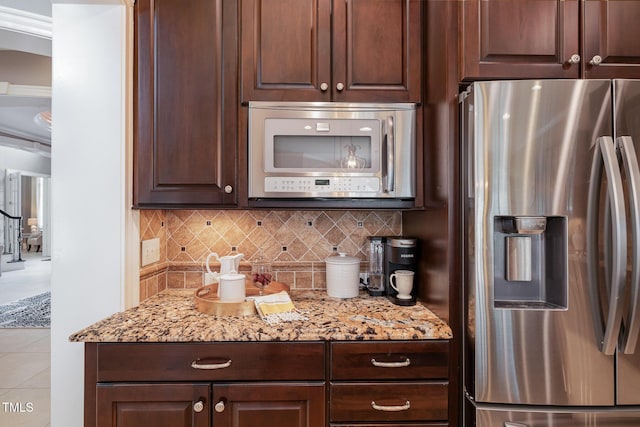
(310, 184)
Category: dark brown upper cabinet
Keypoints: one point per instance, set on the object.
(519, 39)
(549, 39)
(185, 103)
(610, 39)
(331, 50)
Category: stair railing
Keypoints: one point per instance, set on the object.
(18, 239)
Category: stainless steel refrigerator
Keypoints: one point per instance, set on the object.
(552, 234)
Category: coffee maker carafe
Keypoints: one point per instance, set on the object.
(375, 269)
(400, 254)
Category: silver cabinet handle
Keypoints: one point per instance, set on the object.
(406, 362)
(198, 406)
(228, 189)
(391, 408)
(511, 424)
(219, 407)
(197, 365)
(604, 153)
(340, 87)
(630, 161)
(575, 58)
(596, 60)
(324, 86)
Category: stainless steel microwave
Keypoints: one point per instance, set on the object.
(331, 150)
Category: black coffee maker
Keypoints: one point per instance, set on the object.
(401, 253)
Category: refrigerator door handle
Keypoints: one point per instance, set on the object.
(605, 150)
(630, 161)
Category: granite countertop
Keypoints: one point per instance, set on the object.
(171, 316)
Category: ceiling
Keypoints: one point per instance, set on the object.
(25, 75)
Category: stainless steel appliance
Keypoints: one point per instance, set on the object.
(552, 277)
(331, 150)
(400, 254)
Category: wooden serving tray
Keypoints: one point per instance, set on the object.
(207, 301)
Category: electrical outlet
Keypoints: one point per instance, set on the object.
(150, 251)
(364, 279)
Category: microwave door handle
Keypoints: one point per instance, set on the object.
(390, 154)
(630, 162)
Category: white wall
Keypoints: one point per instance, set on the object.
(91, 219)
(10, 158)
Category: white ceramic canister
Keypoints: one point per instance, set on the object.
(232, 287)
(343, 276)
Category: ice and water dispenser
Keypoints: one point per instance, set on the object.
(530, 262)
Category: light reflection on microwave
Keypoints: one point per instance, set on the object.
(352, 161)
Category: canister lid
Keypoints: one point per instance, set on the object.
(342, 259)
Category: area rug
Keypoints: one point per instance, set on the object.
(31, 312)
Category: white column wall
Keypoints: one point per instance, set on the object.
(90, 205)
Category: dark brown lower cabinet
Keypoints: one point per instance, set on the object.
(267, 384)
(396, 401)
(273, 404)
(189, 405)
(391, 425)
(158, 405)
(381, 382)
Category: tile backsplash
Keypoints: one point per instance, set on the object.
(297, 242)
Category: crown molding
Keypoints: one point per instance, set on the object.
(129, 3)
(7, 88)
(24, 22)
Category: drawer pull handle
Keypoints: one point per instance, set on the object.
(197, 365)
(406, 362)
(391, 408)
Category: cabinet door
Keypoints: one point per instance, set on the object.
(158, 404)
(286, 50)
(269, 404)
(519, 39)
(611, 32)
(377, 50)
(185, 123)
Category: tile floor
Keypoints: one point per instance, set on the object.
(25, 377)
(25, 353)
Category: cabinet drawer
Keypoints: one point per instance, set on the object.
(410, 401)
(391, 425)
(389, 360)
(210, 361)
